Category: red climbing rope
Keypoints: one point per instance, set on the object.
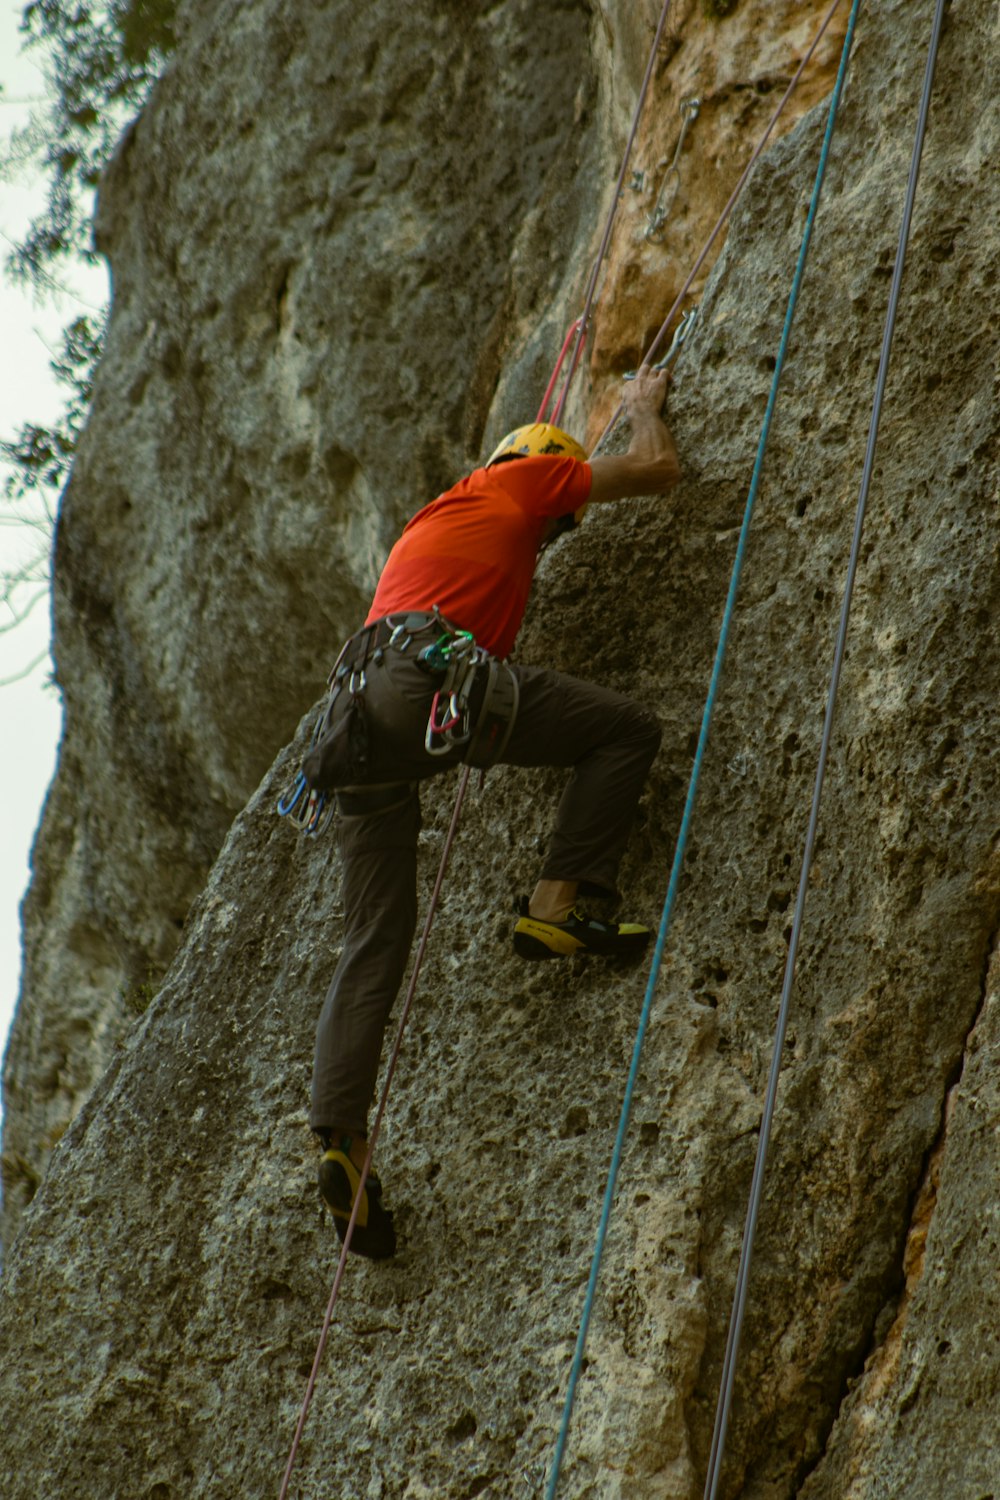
(650, 354)
(574, 327)
(582, 324)
(376, 1127)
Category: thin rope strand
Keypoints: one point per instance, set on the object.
(376, 1127)
(682, 838)
(651, 352)
(574, 328)
(756, 1192)
(588, 302)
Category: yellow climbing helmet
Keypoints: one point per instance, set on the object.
(534, 440)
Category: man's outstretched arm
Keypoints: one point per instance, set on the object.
(651, 464)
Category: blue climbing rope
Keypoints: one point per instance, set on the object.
(695, 777)
(757, 1185)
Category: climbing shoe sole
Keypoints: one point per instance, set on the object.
(374, 1235)
(536, 940)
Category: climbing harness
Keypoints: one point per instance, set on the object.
(684, 830)
(473, 709)
(682, 332)
(763, 1140)
(672, 177)
(496, 717)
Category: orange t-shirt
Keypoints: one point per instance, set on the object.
(472, 551)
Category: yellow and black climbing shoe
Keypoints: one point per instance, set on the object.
(374, 1235)
(578, 934)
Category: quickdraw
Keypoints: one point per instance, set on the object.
(457, 659)
(672, 177)
(681, 333)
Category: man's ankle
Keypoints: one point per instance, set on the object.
(552, 900)
(544, 913)
(342, 1138)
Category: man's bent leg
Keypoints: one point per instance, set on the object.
(610, 742)
(380, 912)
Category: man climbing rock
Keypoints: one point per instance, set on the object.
(423, 687)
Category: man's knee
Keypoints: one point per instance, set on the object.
(643, 730)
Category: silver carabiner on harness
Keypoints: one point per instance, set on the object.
(454, 730)
(443, 729)
(314, 813)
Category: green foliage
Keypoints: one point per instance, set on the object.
(41, 456)
(102, 61)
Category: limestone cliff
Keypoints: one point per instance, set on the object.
(345, 244)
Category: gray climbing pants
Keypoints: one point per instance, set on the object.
(609, 742)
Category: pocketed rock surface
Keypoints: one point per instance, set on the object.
(344, 256)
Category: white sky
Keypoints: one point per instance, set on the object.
(30, 711)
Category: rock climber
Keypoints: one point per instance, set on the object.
(458, 577)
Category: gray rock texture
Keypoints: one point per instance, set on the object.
(305, 364)
(320, 233)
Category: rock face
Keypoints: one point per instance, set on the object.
(311, 333)
(309, 317)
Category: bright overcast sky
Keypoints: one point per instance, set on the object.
(30, 711)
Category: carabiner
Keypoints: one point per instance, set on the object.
(453, 708)
(319, 812)
(442, 730)
(681, 332)
(288, 801)
(689, 113)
